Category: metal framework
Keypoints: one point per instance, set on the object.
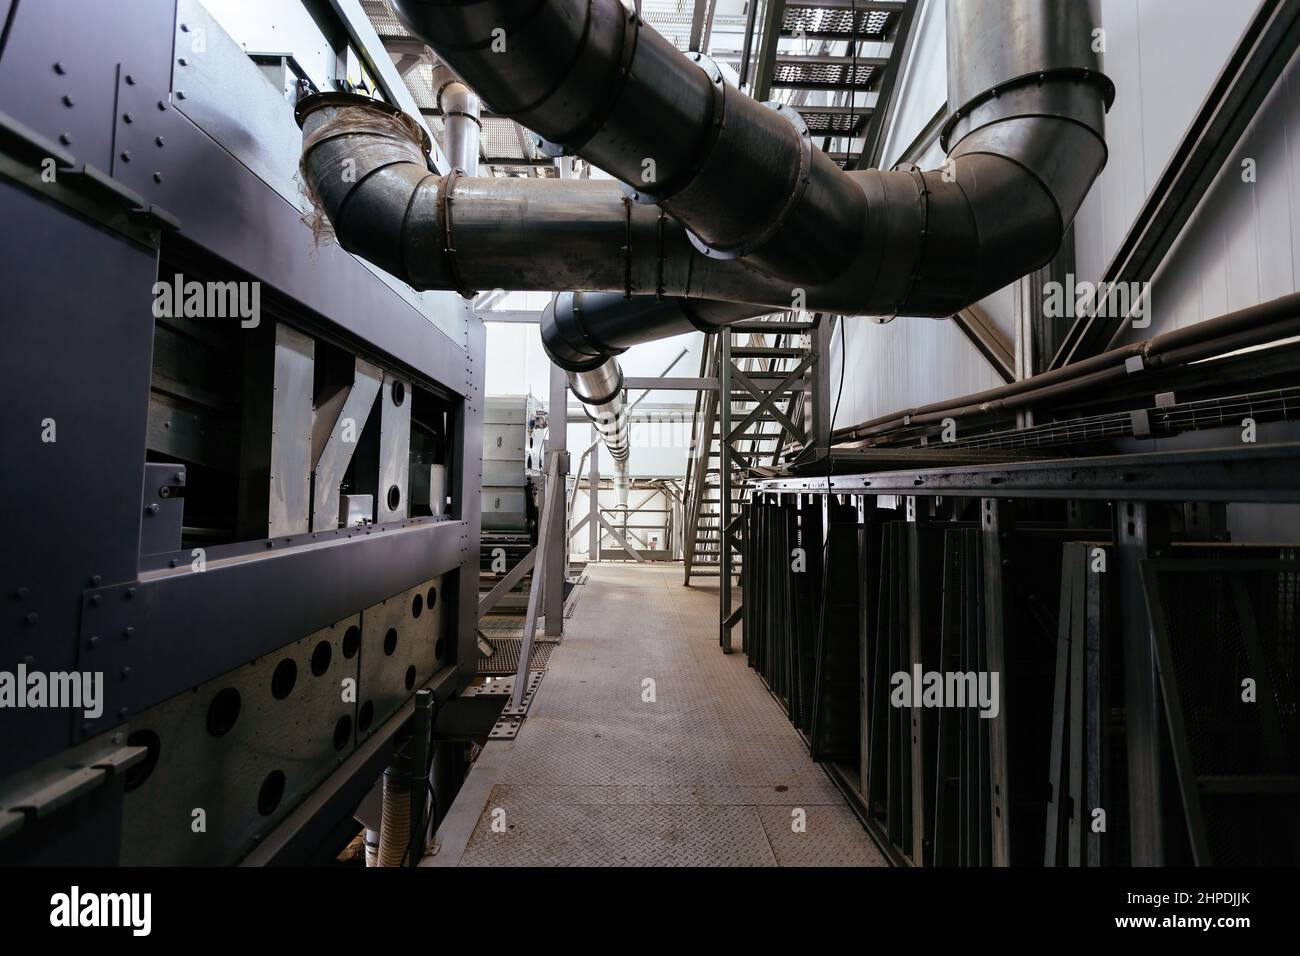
(959, 569)
(222, 600)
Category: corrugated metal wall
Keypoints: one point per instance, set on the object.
(1239, 249)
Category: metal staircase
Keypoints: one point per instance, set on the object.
(766, 370)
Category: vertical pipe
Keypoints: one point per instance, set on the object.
(462, 122)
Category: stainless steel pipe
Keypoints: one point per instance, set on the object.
(462, 122)
(746, 214)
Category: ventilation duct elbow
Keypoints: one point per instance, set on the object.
(580, 330)
(744, 237)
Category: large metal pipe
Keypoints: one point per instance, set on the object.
(590, 75)
(462, 122)
(1025, 145)
(745, 180)
(581, 330)
(603, 397)
(365, 164)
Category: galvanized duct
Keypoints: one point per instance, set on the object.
(601, 392)
(757, 215)
(744, 179)
(1026, 144)
(462, 122)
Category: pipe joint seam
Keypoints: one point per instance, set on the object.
(446, 187)
(1072, 75)
(575, 139)
(923, 200)
(746, 244)
(661, 192)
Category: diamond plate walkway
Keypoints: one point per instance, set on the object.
(708, 773)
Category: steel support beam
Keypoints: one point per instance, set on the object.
(556, 563)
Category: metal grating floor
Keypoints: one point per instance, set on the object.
(708, 774)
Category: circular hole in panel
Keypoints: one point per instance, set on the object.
(343, 732)
(394, 497)
(410, 677)
(365, 716)
(270, 793)
(320, 658)
(351, 641)
(285, 676)
(223, 711)
(390, 641)
(139, 773)
(417, 605)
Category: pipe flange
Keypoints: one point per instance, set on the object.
(923, 199)
(1073, 74)
(566, 339)
(437, 99)
(465, 113)
(749, 244)
(717, 83)
(923, 196)
(446, 187)
(317, 101)
(549, 149)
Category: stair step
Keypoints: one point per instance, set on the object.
(772, 327)
(767, 351)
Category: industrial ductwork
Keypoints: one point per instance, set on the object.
(601, 392)
(462, 122)
(1025, 145)
(726, 209)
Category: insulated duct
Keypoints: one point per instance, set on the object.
(1025, 145)
(601, 392)
(722, 199)
(744, 179)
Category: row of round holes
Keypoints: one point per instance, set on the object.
(226, 705)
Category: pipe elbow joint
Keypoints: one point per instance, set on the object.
(365, 170)
(566, 339)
